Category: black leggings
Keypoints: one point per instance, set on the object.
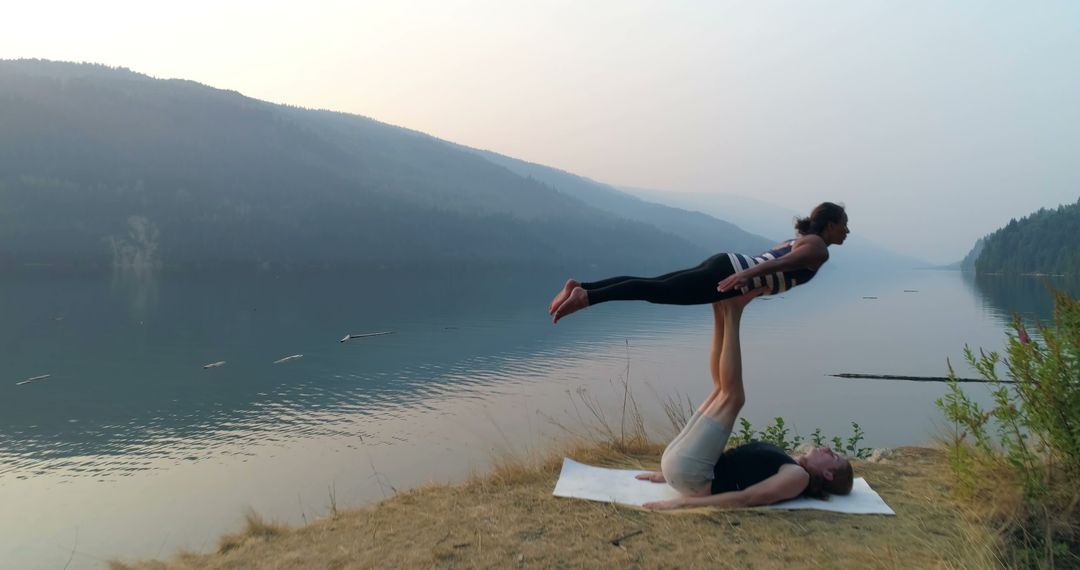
(694, 286)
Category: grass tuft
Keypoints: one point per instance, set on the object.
(255, 528)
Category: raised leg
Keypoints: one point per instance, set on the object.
(688, 461)
(715, 354)
(725, 407)
(694, 286)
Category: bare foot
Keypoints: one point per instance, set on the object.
(577, 300)
(558, 300)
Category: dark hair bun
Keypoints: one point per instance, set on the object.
(802, 225)
(819, 219)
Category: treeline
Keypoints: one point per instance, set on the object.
(1047, 241)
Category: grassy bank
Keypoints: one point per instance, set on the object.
(509, 519)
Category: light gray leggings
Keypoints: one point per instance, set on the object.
(689, 459)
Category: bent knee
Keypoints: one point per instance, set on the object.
(686, 475)
(689, 486)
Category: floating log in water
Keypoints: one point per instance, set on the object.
(33, 379)
(911, 378)
(352, 336)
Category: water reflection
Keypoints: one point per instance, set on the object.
(128, 392)
(1028, 296)
(140, 286)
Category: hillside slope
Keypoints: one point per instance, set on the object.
(106, 167)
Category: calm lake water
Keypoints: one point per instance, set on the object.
(131, 449)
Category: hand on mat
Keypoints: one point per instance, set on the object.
(655, 477)
(665, 505)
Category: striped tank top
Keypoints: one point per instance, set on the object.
(777, 282)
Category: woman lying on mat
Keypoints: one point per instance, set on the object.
(695, 462)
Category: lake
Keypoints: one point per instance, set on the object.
(130, 448)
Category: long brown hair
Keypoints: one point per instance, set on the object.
(820, 487)
(824, 213)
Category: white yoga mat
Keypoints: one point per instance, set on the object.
(580, 481)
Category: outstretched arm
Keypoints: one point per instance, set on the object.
(788, 483)
(809, 252)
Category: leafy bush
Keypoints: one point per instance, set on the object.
(779, 434)
(1030, 434)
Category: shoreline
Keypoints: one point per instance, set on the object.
(509, 518)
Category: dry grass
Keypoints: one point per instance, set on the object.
(1026, 530)
(255, 528)
(510, 519)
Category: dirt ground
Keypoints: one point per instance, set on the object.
(509, 519)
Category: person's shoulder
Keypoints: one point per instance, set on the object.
(795, 469)
(788, 482)
(797, 479)
(812, 240)
(814, 244)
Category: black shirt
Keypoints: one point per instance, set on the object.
(743, 466)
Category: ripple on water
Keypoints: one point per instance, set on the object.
(334, 403)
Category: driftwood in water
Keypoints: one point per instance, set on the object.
(366, 335)
(912, 378)
(34, 379)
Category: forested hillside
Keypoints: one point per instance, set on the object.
(106, 167)
(1047, 241)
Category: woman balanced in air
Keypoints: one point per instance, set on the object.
(722, 276)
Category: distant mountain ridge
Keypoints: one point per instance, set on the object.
(763, 218)
(710, 232)
(106, 167)
(778, 223)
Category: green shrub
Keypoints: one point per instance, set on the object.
(779, 434)
(1031, 432)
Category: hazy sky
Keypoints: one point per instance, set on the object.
(934, 121)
